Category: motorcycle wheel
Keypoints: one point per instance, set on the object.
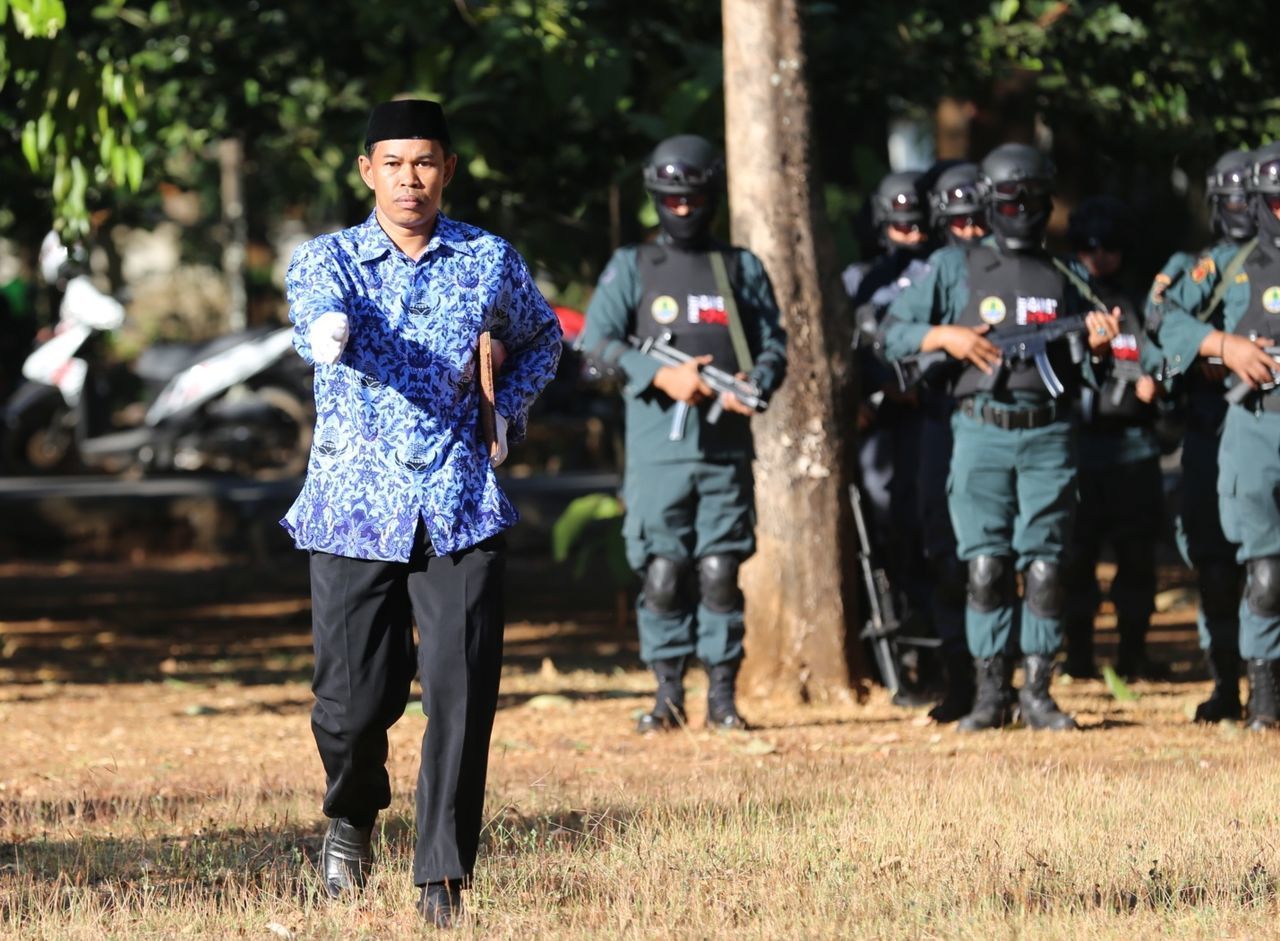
(42, 441)
(284, 447)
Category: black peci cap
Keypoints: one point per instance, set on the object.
(407, 119)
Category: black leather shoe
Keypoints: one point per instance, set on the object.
(346, 856)
(440, 904)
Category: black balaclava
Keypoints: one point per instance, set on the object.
(1231, 178)
(955, 193)
(1017, 179)
(685, 165)
(898, 198)
(1264, 183)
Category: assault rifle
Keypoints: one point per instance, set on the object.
(747, 392)
(1030, 342)
(1241, 391)
(884, 627)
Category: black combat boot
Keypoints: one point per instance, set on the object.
(1264, 695)
(958, 701)
(346, 856)
(1080, 664)
(1039, 711)
(722, 710)
(991, 705)
(1223, 704)
(668, 710)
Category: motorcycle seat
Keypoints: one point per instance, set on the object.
(163, 361)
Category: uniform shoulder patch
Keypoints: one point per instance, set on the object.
(1204, 267)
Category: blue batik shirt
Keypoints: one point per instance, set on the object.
(397, 436)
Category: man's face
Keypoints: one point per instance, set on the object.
(408, 178)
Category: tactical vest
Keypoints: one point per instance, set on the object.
(1262, 316)
(680, 303)
(1014, 290)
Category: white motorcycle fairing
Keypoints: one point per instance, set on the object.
(210, 377)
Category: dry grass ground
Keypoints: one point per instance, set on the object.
(158, 780)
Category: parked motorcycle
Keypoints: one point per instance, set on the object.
(239, 403)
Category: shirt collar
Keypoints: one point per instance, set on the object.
(374, 243)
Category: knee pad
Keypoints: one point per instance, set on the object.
(663, 585)
(718, 581)
(1044, 589)
(990, 583)
(1219, 590)
(1262, 591)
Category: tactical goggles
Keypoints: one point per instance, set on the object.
(1020, 190)
(967, 220)
(1266, 175)
(964, 195)
(676, 200)
(1272, 200)
(1234, 178)
(905, 201)
(905, 228)
(683, 174)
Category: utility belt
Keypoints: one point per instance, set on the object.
(1013, 418)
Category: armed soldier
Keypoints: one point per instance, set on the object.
(688, 481)
(1012, 485)
(889, 420)
(1249, 454)
(1120, 481)
(959, 219)
(1200, 391)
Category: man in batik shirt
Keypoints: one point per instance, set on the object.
(401, 510)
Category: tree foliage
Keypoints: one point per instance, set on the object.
(556, 102)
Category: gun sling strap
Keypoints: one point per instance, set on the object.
(736, 333)
(1229, 273)
(1082, 286)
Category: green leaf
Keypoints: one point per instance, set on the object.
(134, 168)
(1116, 686)
(577, 516)
(1007, 10)
(30, 148)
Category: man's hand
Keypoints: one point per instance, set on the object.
(328, 336)
(1246, 358)
(1103, 328)
(964, 343)
(1146, 390)
(684, 383)
(731, 403)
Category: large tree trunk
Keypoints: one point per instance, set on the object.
(801, 605)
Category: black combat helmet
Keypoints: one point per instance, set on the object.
(955, 194)
(686, 166)
(898, 199)
(1100, 222)
(1264, 189)
(1227, 192)
(1016, 183)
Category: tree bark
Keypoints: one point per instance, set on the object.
(801, 604)
(234, 249)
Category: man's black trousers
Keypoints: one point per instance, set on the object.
(361, 625)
